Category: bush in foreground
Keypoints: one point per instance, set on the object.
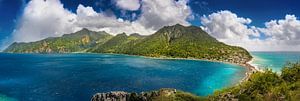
(261, 86)
(266, 86)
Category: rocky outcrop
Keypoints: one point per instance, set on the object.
(111, 96)
(125, 96)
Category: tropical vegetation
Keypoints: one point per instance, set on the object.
(266, 86)
(175, 41)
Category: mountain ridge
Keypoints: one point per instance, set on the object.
(175, 41)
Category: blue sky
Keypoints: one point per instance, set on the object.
(10, 12)
(258, 11)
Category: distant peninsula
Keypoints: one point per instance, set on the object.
(175, 41)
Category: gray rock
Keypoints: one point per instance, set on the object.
(125, 96)
(111, 96)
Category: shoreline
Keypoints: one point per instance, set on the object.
(248, 65)
(251, 69)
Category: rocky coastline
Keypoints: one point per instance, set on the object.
(126, 96)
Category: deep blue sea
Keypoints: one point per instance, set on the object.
(76, 77)
(274, 60)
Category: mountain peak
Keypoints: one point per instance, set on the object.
(122, 34)
(174, 26)
(137, 35)
(179, 31)
(84, 30)
(178, 25)
(172, 32)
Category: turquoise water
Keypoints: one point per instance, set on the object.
(5, 98)
(76, 77)
(274, 60)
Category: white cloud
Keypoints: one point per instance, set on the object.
(88, 18)
(284, 29)
(42, 19)
(48, 18)
(227, 27)
(131, 5)
(158, 13)
(154, 15)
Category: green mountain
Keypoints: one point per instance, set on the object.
(171, 41)
(188, 42)
(74, 42)
(121, 43)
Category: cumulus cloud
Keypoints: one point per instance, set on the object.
(42, 19)
(285, 29)
(225, 25)
(154, 15)
(48, 18)
(281, 35)
(88, 18)
(158, 13)
(131, 5)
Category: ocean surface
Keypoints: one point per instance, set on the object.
(76, 77)
(274, 60)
